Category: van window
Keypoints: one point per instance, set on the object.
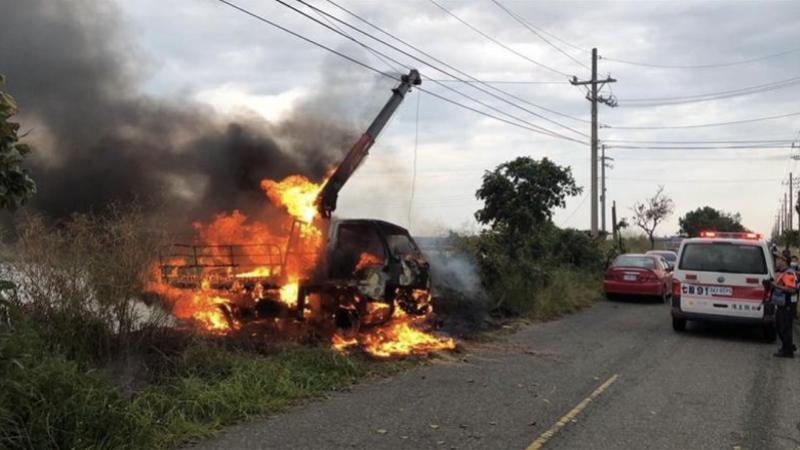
(723, 257)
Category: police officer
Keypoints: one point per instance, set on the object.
(784, 296)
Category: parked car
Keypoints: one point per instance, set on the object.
(719, 277)
(670, 256)
(634, 274)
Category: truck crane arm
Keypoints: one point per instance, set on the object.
(326, 199)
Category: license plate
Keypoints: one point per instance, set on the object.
(707, 291)
(629, 277)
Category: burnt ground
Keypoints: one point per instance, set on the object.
(711, 387)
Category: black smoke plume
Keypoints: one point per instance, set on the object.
(98, 140)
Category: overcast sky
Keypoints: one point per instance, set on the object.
(211, 52)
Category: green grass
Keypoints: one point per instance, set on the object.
(568, 291)
(49, 401)
(560, 291)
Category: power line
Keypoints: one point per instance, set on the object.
(661, 101)
(385, 74)
(702, 66)
(414, 166)
(461, 72)
(759, 141)
(475, 29)
(310, 41)
(460, 172)
(530, 124)
(779, 83)
(544, 130)
(440, 97)
(374, 53)
(709, 159)
(698, 181)
(703, 125)
(567, 43)
(728, 147)
(536, 32)
(501, 81)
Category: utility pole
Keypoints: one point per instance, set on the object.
(792, 206)
(603, 165)
(616, 231)
(594, 98)
(783, 228)
(789, 210)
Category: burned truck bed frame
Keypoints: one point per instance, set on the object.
(188, 265)
(364, 262)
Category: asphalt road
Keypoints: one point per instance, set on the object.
(710, 387)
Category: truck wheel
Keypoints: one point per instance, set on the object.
(770, 333)
(678, 324)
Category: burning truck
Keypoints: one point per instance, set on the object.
(358, 282)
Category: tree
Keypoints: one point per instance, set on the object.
(16, 186)
(651, 212)
(708, 218)
(519, 195)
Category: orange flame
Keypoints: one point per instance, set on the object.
(288, 293)
(296, 193)
(368, 259)
(341, 344)
(400, 337)
(202, 306)
(258, 272)
(208, 307)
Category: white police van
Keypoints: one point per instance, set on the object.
(719, 276)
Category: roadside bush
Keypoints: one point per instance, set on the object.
(80, 281)
(576, 249)
(509, 272)
(516, 270)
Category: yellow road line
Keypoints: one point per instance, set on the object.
(567, 418)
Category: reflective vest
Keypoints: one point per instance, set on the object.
(786, 278)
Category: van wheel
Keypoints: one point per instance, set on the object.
(678, 324)
(770, 333)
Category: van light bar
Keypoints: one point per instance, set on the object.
(730, 235)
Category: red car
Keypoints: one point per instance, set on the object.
(639, 275)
